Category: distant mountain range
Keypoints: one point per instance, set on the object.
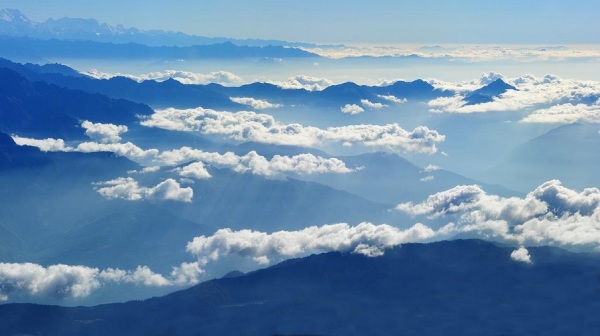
(461, 287)
(16, 24)
(171, 93)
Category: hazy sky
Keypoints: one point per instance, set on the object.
(345, 21)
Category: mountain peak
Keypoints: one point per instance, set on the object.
(486, 93)
(12, 15)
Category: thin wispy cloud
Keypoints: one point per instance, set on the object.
(184, 77)
(257, 104)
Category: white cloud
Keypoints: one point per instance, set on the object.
(549, 215)
(368, 104)
(145, 170)
(142, 275)
(392, 99)
(184, 77)
(365, 238)
(45, 145)
(105, 133)
(127, 188)
(72, 282)
(128, 150)
(305, 82)
(352, 109)
(255, 163)
(252, 162)
(430, 168)
(522, 255)
(55, 281)
(426, 178)
(263, 128)
(256, 104)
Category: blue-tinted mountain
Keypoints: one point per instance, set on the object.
(171, 93)
(44, 110)
(567, 153)
(29, 48)
(391, 179)
(54, 215)
(461, 287)
(15, 23)
(487, 93)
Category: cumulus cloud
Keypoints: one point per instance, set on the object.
(549, 215)
(263, 128)
(365, 238)
(54, 281)
(66, 281)
(392, 99)
(305, 82)
(184, 77)
(105, 133)
(522, 255)
(352, 109)
(368, 104)
(195, 170)
(128, 189)
(256, 104)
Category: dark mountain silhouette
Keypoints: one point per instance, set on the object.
(461, 287)
(50, 111)
(487, 93)
(15, 23)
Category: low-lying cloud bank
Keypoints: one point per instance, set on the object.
(66, 281)
(263, 128)
(184, 77)
(549, 99)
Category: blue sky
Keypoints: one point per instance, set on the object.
(347, 21)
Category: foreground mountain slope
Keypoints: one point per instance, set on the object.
(462, 287)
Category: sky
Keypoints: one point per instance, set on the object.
(347, 21)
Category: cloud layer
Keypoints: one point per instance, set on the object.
(185, 77)
(549, 99)
(263, 128)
